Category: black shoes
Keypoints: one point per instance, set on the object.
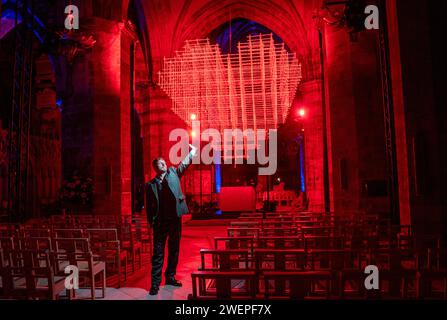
(173, 282)
(154, 290)
(169, 282)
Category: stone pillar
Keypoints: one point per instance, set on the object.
(313, 137)
(111, 105)
(342, 129)
(96, 118)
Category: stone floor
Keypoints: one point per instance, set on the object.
(195, 236)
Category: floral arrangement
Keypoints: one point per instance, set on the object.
(77, 190)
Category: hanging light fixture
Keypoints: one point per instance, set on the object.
(251, 89)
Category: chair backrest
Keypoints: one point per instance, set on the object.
(245, 224)
(37, 243)
(7, 243)
(103, 241)
(226, 260)
(275, 231)
(243, 232)
(234, 243)
(72, 245)
(72, 251)
(278, 242)
(324, 242)
(393, 259)
(280, 259)
(333, 259)
(69, 233)
(102, 235)
(36, 232)
(9, 229)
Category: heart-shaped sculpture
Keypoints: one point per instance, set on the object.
(251, 89)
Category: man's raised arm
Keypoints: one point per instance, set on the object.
(186, 162)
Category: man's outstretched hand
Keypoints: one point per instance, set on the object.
(193, 149)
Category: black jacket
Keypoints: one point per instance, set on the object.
(172, 177)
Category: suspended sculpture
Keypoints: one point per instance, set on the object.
(251, 89)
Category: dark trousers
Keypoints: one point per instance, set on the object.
(171, 231)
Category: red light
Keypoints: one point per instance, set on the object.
(301, 112)
(193, 116)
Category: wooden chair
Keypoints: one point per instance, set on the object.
(245, 224)
(274, 223)
(77, 252)
(69, 233)
(334, 259)
(243, 232)
(130, 244)
(319, 231)
(36, 232)
(226, 260)
(297, 284)
(42, 244)
(31, 276)
(8, 244)
(223, 285)
(324, 242)
(394, 259)
(432, 280)
(279, 232)
(394, 285)
(351, 284)
(432, 284)
(9, 230)
(244, 243)
(106, 246)
(143, 233)
(4, 276)
(278, 242)
(270, 260)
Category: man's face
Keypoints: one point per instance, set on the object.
(161, 167)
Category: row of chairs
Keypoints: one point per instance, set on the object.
(38, 271)
(112, 243)
(135, 226)
(284, 256)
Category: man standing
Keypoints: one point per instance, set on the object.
(166, 205)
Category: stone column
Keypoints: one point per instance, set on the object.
(313, 133)
(96, 117)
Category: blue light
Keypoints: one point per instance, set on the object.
(303, 185)
(218, 177)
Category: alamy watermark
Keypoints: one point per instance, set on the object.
(234, 141)
(72, 280)
(372, 20)
(372, 280)
(72, 18)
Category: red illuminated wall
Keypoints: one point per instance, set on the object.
(96, 133)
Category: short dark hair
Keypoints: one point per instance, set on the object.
(154, 162)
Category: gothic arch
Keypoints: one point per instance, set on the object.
(288, 27)
(197, 20)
